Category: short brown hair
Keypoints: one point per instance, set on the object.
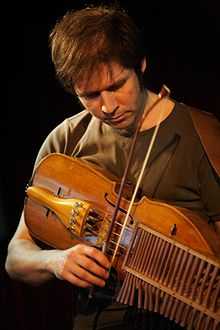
(87, 37)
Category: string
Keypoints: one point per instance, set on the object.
(164, 92)
(125, 224)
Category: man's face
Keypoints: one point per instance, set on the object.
(112, 94)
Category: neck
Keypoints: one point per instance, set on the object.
(162, 110)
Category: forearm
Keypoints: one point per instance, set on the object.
(81, 265)
(28, 263)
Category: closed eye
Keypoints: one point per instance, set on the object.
(91, 96)
(112, 88)
(116, 86)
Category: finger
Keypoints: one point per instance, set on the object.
(79, 274)
(73, 279)
(97, 255)
(91, 266)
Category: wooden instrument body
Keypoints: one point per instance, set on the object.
(68, 178)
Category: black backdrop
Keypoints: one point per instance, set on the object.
(182, 39)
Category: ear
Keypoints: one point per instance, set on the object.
(143, 65)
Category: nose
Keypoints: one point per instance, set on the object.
(109, 102)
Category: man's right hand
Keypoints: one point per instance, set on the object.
(81, 265)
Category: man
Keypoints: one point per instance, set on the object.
(99, 55)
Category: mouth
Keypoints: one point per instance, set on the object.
(119, 118)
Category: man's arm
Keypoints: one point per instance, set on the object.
(81, 265)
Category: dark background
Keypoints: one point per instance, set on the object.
(182, 39)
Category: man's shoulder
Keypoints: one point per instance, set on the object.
(80, 119)
(65, 136)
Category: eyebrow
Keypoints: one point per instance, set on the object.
(110, 88)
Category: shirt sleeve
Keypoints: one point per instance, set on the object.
(56, 141)
(64, 137)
